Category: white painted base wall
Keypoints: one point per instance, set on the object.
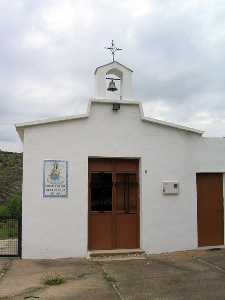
(57, 227)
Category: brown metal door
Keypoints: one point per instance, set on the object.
(210, 209)
(113, 218)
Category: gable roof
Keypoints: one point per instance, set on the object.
(113, 63)
(21, 126)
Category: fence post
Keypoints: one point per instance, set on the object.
(19, 236)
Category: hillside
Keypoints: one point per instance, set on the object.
(10, 174)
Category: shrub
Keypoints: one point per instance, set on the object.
(13, 207)
(4, 211)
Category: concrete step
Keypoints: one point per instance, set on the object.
(116, 253)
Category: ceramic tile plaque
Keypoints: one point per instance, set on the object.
(55, 178)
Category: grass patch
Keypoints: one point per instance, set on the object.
(53, 279)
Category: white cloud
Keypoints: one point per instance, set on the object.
(36, 39)
(65, 16)
(138, 8)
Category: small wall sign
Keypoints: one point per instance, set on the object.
(170, 187)
(55, 178)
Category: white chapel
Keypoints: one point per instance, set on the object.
(114, 178)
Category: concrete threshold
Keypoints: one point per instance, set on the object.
(211, 247)
(115, 252)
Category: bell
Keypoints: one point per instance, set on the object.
(112, 87)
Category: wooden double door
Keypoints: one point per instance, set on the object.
(113, 214)
(210, 209)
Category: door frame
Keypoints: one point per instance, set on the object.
(113, 212)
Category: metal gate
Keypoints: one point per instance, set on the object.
(10, 236)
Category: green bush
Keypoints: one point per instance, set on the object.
(13, 207)
(4, 211)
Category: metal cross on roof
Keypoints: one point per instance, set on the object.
(113, 49)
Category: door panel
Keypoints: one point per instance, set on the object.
(100, 192)
(113, 165)
(210, 209)
(126, 211)
(120, 197)
(100, 231)
(127, 231)
(133, 193)
(126, 193)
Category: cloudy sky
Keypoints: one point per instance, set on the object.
(50, 48)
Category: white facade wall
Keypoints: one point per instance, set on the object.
(58, 227)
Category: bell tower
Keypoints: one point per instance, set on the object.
(113, 80)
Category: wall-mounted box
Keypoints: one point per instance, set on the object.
(170, 187)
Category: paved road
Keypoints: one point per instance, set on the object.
(184, 275)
